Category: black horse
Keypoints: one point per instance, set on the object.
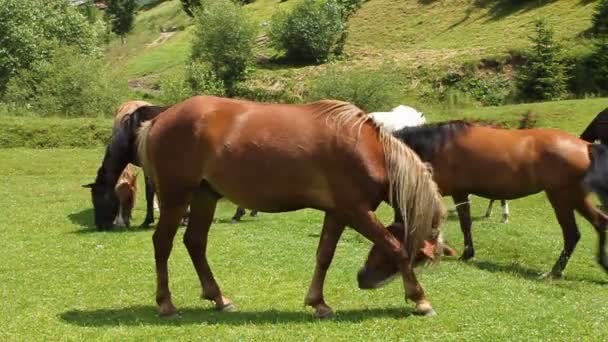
(597, 129)
(120, 151)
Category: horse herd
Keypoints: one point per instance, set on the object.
(331, 156)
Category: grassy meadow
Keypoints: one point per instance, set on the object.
(62, 280)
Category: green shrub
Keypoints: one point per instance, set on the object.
(371, 90)
(224, 38)
(310, 31)
(31, 29)
(202, 80)
(543, 76)
(174, 89)
(488, 90)
(68, 84)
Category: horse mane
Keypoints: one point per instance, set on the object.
(126, 109)
(427, 139)
(412, 191)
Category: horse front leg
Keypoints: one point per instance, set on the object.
(563, 205)
(202, 209)
(149, 203)
(330, 235)
(464, 216)
(369, 226)
(238, 214)
(170, 215)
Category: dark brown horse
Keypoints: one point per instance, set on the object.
(108, 204)
(509, 164)
(325, 155)
(597, 129)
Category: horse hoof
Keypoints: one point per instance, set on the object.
(168, 311)
(323, 312)
(229, 307)
(425, 309)
(550, 276)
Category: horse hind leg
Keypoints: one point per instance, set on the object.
(202, 209)
(599, 220)
(505, 211)
(564, 211)
(173, 207)
(464, 216)
(332, 230)
(238, 214)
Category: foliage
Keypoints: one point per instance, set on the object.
(68, 84)
(31, 29)
(189, 6)
(371, 90)
(349, 7)
(224, 38)
(198, 79)
(488, 90)
(599, 63)
(309, 31)
(121, 15)
(599, 19)
(543, 76)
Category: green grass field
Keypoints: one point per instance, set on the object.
(62, 280)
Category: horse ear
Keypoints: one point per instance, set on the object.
(90, 185)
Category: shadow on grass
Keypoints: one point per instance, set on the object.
(147, 315)
(527, 273)
(85, 219)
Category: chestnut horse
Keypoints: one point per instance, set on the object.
(325, 155)
(405, 116)
(508, 164)
(126, 191)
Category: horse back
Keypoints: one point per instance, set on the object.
(268, 156)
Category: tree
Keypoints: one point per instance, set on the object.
(543, 76)
(189, 6)
(32, 29)
(224, 39)
(600, 18)
(121, 15)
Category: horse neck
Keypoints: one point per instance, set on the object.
(112, 166)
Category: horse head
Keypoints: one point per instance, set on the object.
(105, 201)
(379, 268)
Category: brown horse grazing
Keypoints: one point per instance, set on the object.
(325, 155)
(126, 191)
(508, 164)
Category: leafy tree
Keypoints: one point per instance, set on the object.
(31, 29)
(121, 15)
(543, 76)
(600, 18)
(599, 63)
(224, 38)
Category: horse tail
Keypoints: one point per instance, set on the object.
(413, 192)
(142, 149)
(596, 177)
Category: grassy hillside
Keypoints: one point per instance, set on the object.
(412, 32)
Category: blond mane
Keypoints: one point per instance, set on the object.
(126, 109)
(412, 190)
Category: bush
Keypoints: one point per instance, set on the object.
(543, 76)
(31, 29)
(489, 91)
(224, 38)
(197, 79)
(599, 19)
(68, 84)
(370, 90)
(310, 31)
